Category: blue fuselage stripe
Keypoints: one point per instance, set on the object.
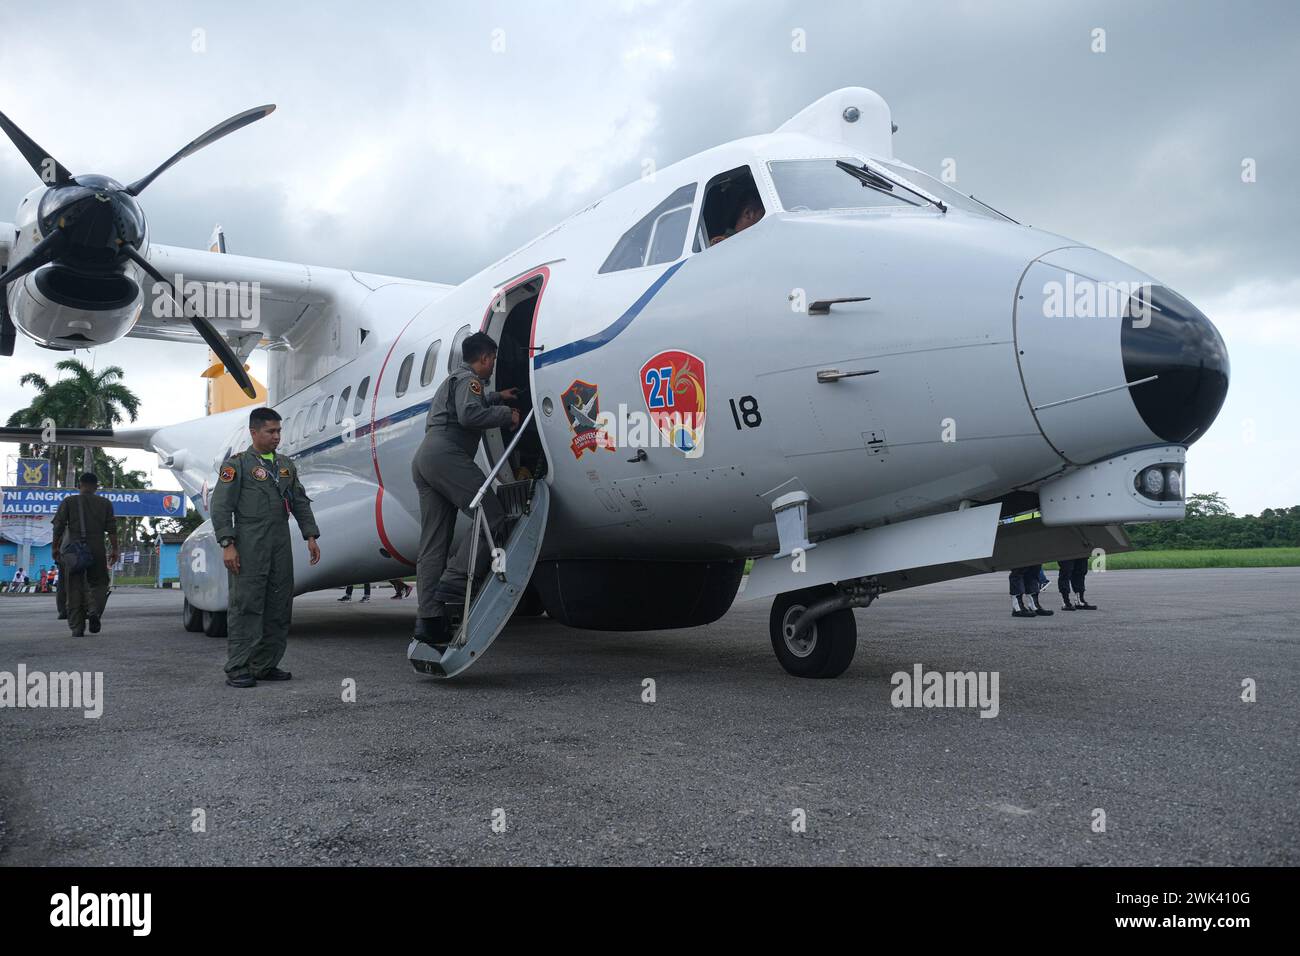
(583, 346)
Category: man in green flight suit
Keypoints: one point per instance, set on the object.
(256, 491)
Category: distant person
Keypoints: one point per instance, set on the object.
(81, 524)
(19, 577)
(750, 212)
(347, 593)
(1072, 577)
(1024, 592)
(256, 492)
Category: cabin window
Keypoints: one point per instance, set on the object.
(454, 355)
(360, 403)
(343, 405)
(732, 204)
(430, 364)
(659, 237)
(325, 414)
(404, 374)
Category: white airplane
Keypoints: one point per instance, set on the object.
(887, 369)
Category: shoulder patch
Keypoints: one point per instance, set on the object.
(475, 386)
(228, 473)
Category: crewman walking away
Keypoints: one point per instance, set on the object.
(447, 479)
(80, 527)
(256, 492)
(1072, 574)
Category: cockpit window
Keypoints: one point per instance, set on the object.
(659, 237)
(807, 185)
(731, 205)
(952, 197)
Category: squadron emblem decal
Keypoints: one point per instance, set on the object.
(673, 385)
(228, 473)
(581, 401)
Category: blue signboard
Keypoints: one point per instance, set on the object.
(126, 503)
(35, 473)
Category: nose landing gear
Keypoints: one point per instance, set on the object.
(813, 630)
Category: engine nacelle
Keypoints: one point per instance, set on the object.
(63, 307)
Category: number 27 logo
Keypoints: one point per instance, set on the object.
(659, 381)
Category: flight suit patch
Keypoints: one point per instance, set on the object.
(475, 387)
(284, 472)
(228, 473)
(260, 473)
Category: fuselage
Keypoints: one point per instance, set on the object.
(935, 384)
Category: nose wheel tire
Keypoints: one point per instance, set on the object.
(826, 649)
(191, 617)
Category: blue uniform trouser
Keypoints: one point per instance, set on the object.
(1073, 571)
(1025, 580)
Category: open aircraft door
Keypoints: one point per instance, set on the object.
(489, 605)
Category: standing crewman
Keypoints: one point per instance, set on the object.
(255, 494)
(1024, 592)
(1073, 573)
(85, 519)
(447, 480)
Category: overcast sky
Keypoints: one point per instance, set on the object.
(427, 139)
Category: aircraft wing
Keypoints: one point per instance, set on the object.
(240, 295)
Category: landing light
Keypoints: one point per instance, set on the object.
(1163, 482)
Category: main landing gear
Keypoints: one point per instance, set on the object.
(813, 630)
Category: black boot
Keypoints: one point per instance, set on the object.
(432, 631)
(1083, 605)
(1018, 608)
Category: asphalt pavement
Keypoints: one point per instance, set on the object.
(546, 751)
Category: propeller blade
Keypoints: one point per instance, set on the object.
(8, 331)
(42, 162)
(44, 251)
(211, 136)
(216, 341)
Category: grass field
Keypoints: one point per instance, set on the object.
(1206, 558)
(1210, 558)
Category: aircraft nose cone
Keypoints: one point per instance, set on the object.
(1174, 341)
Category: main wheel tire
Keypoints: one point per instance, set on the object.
(191, 617)
(214, 623)
(826, 650)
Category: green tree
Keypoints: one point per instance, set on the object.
(80, 398)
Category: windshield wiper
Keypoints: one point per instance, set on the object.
(874, 178)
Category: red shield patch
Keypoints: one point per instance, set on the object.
(228, 473)
(673, 385)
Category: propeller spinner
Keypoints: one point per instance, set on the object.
(93, 224)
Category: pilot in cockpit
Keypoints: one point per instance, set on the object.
(749, 212)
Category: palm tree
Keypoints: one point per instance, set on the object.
(84, 399)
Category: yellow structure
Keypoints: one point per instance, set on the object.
(224, 392)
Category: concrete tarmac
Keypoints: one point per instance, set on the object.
(1134, 709)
